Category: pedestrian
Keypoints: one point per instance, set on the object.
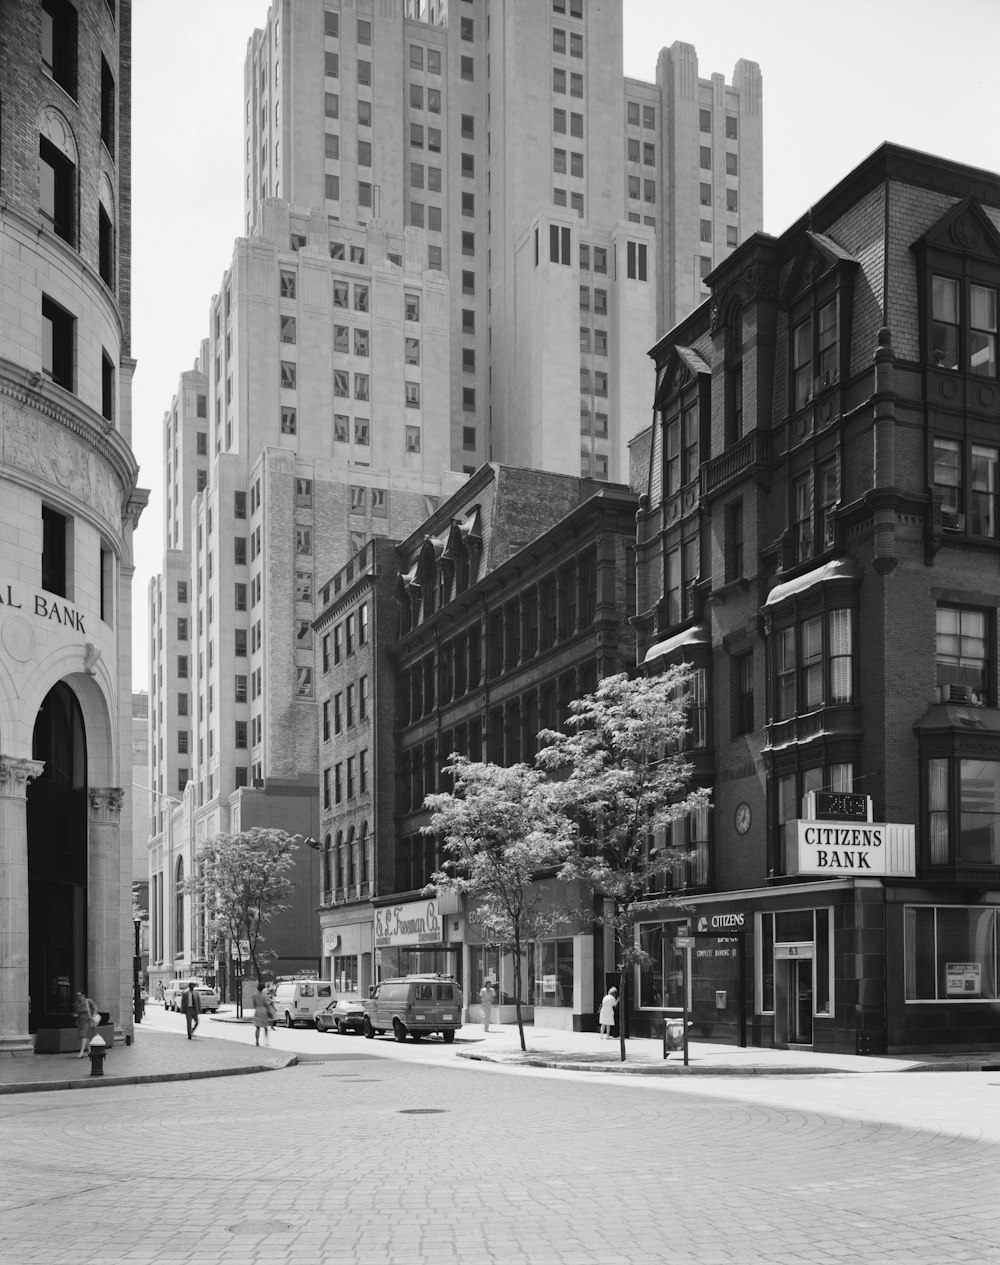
(159, 991)
(607, 1016)
(486, 1001)
(87, 1018)
(263, 1014)
(191, 1005)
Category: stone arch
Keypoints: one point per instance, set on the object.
(54, 126)
(95, 693)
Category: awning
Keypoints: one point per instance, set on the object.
(839, 569)
(699, 635)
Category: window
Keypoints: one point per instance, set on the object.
(57, 190)
(468, 283)
(467, 68)
(705, 157)
(331, 105)
(59, 42)
(107, 107)
(636, 260)
(576, 85)
(963, 655)
(732, 165)
(741, 667)
(361, 342)
(361, 381)
(360, 298)
(980, 353)
(331, 187)
(559, 81)
(732, 235)
(413, 439)
(331, 65)
(364, 193)
(469, 438)
(815, 353)
(364, 73)
(288, 329)
(433, 61)
(558, 40)
(468, 399)
(814, 663)
(937, 937)
(364, 32)
(361, 431)
(58, 343)
(412, 394)
(288, 416)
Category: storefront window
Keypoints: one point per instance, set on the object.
(951, 953)
(345, 974)
(554, 973)
(661, 976)
(765, 966)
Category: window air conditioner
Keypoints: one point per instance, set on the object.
(951, 520)
(967, 695)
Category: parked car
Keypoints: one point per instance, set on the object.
(346, 1014)
(416, 1004)
(208, 996)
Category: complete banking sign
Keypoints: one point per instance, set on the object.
(837, 849)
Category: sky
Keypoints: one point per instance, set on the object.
(839, 78)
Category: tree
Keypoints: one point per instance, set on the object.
(243, 881)
(620, 778)
(500, 831)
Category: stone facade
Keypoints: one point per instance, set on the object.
(70, 506)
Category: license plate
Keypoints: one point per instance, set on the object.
(450, 1018)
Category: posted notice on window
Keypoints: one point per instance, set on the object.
(963, 979)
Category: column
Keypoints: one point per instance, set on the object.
(108, 964)
(15, 774)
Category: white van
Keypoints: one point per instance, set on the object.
(298, 1001)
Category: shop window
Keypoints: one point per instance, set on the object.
(950, 952)
(554, 975)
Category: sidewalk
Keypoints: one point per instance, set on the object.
(153, 1056)
(588, 1052)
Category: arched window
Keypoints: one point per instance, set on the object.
(106, 233)
(179, 906)
(327, 870)
(57, 164)
(366, 869)
(341, 861)
(352, 858)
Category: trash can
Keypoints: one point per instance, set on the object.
(673, 1035)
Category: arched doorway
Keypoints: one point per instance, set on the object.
(57, 859)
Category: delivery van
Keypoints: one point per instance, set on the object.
(415, 1004)
(298, 1001)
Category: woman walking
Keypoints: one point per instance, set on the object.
(263, 1014)
(87, 1018)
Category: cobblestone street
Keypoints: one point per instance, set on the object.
(360, 1157)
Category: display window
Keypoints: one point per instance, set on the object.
(951, 953)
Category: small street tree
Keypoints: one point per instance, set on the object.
(620, 778)
(243, 881)
(499, 830)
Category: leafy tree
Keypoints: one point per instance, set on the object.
(620, 778)
(500, 831)
(243, 881)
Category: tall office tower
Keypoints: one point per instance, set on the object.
(453, 249)
(575, 213)
(68, 507)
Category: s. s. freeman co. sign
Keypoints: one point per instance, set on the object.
(836, 849)
(416, 923)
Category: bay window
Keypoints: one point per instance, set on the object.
(963, 326)
(813, 663)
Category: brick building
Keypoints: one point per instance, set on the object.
(471, 636)
(819, 538)
(70, 505)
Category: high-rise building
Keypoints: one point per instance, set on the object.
(69, 506)
(458, 248)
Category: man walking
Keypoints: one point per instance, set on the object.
(191, 1005)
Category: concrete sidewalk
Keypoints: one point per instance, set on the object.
(588, 1052)
(153, 1056)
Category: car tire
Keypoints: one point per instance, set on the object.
(398, 1030)
(341, 1028)
(289, 1021)
(367, 1029)
(449, 1035)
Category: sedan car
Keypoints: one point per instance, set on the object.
(208, 996)
(346, 1014)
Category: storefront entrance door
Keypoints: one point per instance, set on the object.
(793, 1002)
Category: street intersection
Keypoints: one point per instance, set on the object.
(374, 1153)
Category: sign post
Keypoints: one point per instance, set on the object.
(686, 943)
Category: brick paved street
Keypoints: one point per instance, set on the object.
(323, 1163)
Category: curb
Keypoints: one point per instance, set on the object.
(646, 1069)
(99, 1082)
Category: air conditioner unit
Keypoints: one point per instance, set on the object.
(951, 520)
(258, 784)
(967, 695)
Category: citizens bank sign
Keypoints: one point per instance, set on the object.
(415, 923)
(835, 849)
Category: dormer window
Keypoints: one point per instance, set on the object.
(969, 319)
(815, 353)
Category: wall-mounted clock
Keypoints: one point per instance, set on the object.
(742, 818)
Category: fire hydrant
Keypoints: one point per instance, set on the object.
(98, 1052)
